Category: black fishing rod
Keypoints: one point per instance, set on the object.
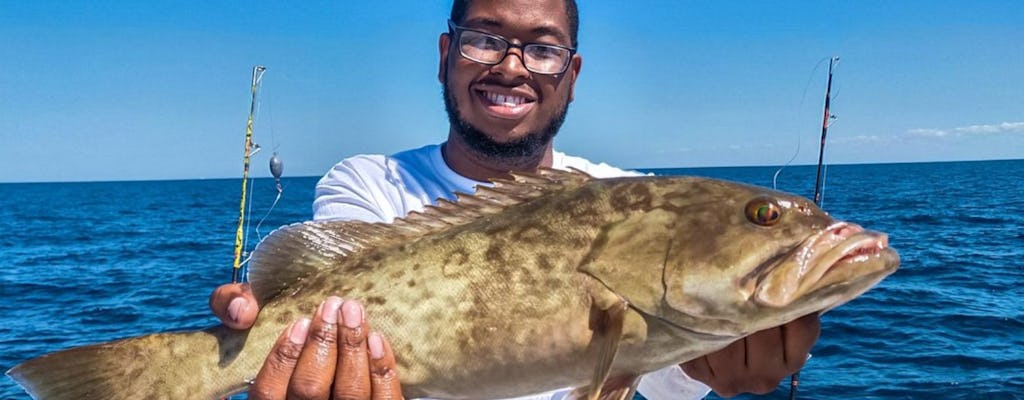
(824, 132)
(794, 381)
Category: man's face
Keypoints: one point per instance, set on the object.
(505, 110)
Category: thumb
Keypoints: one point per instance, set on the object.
(235, 305)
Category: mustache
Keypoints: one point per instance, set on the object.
(519, 151)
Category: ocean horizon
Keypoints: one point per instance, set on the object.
(84, 262)
(256, 173)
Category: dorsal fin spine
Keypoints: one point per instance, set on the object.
(291, 253)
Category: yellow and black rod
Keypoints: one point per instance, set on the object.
(257, 74)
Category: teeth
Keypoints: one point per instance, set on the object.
(507, 101)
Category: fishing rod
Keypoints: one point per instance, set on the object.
(794, 381)
(250, 149)
(824, 131)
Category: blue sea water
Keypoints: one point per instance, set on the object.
(88, 262)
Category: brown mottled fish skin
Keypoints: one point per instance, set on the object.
(506, 293)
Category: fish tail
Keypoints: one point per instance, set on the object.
(182, 365)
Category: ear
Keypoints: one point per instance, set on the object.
(574, 72)
(442, 48)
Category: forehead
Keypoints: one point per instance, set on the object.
(532, 17)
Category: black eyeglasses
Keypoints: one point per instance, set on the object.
(490, 49)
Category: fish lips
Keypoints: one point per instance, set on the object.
(843, 256)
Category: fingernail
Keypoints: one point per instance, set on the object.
(329, 310)
(376, 343)
(236, 307)
(353, 313)
(297, 335)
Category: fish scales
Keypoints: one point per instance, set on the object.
(514, 290)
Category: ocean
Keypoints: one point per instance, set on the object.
(88, 262)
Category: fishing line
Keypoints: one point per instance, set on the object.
(277, 198)
(252, 181)
(794, 381)
(803, 98)
(275, 164)
(248, 210)
(257, 75)
(824, 130)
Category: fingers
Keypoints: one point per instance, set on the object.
(353, 375)
(235, 305)
(757, 363)
(798, 338)
(728, 369)
(272, 381)
(382, 369)
(698, 369)
(314, 370)
(331, 356)
(766, 361)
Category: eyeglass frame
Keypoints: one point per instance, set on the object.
(456, 32)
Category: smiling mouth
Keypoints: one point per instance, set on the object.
(505, 106)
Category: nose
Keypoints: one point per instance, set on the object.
(513, 65)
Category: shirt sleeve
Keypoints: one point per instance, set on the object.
(344, 193)
(671, 383)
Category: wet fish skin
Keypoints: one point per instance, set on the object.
(508, 292)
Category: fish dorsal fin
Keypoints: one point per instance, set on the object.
(490, 200)
(293, 252)
(296, 251)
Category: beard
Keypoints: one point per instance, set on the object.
(516, 154)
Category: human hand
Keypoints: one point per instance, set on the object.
(235, 305)
(332, 356)
(757, 363)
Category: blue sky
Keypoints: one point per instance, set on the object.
(105, 90)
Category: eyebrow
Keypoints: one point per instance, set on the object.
(544, 30)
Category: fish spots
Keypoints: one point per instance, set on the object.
(554, 283)
(284, 318)
(376, 300)
(676, 201)
(495, 254)
(457, 261)
(368, 286)
(571, 207)
(543, 261)
(491, 230)
(411, 283)
(635, 196)
(477, 312)
(459, 256)
(361, 267)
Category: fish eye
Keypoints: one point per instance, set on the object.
(763, 211)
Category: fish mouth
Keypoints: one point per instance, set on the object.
(842, 254)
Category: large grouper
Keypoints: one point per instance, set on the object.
(552, 279)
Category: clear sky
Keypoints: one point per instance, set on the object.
(105, 90)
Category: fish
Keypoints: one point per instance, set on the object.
(545, 280)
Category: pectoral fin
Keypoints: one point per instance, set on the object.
(620, 389)
(607, 320)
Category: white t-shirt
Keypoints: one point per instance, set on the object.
(378, 188)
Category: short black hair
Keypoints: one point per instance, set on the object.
(459, 8)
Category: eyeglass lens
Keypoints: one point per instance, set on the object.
(490, 49)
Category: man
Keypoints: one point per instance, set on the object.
(508, 69)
